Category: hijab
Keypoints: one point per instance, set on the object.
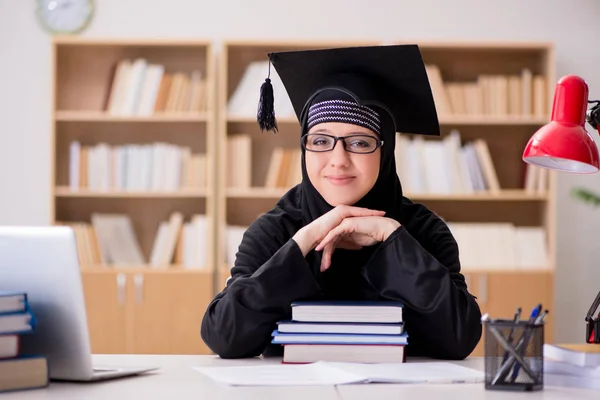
(386, 193)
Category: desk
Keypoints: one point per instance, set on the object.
(177, 380)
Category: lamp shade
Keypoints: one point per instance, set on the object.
(564, 144)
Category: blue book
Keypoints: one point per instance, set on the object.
(348, 311)
(290, 326)
(11, 301)
(332, 338)
(17, 322)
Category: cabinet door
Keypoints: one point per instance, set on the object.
(106, 306)
(525, 289)
(168, 311)
(500, 293)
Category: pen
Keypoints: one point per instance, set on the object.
(533, 319)
(512, 332)
(540, 319)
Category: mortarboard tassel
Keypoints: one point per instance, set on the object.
(266, 112)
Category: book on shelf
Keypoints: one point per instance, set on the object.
(523, 94)
(239, 161)
(17, 370)
(233, 238)
(447, 166)
(349, 331)
(142, 88)
(285, 168)
(283, 171)
(110, 239)
(136, 167)
(497, 245)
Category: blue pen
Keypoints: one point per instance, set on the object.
(532, 320)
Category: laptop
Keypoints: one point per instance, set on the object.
(43, 262)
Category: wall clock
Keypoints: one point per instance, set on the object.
(65, 16)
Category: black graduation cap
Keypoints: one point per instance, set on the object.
(392, 77)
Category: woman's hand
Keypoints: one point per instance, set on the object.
(312, 234)
(357, 231)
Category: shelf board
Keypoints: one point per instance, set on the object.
(100, 116)
(252, 120)
(490, 120)
(495, 120)
(171, 269)
(505, 195)
(64, 191)
(256, 193)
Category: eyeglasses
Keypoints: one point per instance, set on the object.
(320, 142)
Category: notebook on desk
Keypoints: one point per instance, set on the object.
(43, 262)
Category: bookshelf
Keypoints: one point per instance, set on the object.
(133, 145)
(131, 303)
(498, 93)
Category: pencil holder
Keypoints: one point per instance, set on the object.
(513, 354)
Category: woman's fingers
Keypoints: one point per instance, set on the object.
(332, 235)
(326, 258)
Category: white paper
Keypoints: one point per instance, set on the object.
(412, 372)
(280, 375)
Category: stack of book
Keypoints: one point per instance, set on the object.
(18, 371)
(574, 365)
(365, 332)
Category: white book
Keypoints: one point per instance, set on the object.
(234, 236)
(435, 167)
(150, 88)
(347, 311)
(119, 87)
(158, 247)
(134, 87)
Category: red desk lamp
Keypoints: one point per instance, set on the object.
(564, 145)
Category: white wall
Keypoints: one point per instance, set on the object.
(571, 25)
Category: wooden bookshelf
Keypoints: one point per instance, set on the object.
(500, 289)
(130, 305)
(137, 308)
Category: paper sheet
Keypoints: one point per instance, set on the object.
(280, 375)
(336, 373)
(413, 372)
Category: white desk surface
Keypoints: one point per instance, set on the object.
(176, 380)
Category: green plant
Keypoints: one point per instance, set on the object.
(587, 196)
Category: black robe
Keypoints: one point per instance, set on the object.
(418, 265)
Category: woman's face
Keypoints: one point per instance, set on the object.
(340, 176)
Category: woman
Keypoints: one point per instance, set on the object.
(347, 232)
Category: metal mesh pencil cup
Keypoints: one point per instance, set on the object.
(513, 355)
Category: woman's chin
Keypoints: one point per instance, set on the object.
(337, 200)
